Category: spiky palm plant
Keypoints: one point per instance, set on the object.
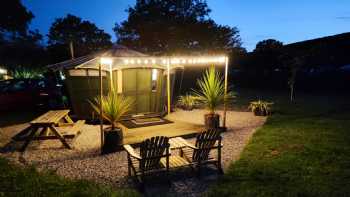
(114, 106)
(211, 91)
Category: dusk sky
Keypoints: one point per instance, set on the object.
(285, 20)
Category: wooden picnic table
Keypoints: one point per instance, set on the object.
(56, 122)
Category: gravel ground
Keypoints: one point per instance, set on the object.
(84, 162)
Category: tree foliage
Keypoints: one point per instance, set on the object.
(85, 36)
(19, 46)
(168, 26)
(267, 55)
(14, 18)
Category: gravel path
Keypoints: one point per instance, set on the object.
(84, 162)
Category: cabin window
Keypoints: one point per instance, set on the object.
(154, 79)
(84, 73)
(96, 73)
(77, 72)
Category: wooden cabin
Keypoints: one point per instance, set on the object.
(146, 84)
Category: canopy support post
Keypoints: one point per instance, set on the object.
(101, 109)
(168, 85)
(111, 77)
(225, 96)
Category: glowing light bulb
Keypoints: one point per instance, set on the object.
(164, 61)
(126, 61)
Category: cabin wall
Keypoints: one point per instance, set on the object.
(82, 89)
(137, 83)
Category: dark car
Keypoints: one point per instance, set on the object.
(27, 93)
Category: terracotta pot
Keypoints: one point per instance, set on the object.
(212, 121)
(113, 140)
(187, 108)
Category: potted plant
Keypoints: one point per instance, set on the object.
(187, 102)
(260, 108)
(211, 94)
(114, 106)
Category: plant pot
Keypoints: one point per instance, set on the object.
(113, 140)
(259, 112)
(212, 121)
(188, 108)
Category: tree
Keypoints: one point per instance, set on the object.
(19, 46)
(168, 26)
(292, 63)
(14, 19)
(72, 31)
(268, 45)
(294, 66)
(267, 55)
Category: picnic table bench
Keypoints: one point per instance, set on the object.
(54, 124)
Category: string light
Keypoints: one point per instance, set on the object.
(126, 61)
(172, 60)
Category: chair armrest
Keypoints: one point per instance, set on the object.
(189, 145)
(131, 152)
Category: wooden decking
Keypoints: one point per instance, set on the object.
(178, 128)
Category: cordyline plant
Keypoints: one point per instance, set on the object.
(114, 106)
(211, 91)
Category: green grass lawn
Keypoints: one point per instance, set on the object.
(302, 150)
(15, 181)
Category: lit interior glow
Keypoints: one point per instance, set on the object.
(154, 74)
(3, 71)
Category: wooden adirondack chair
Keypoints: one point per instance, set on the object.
(148, 161)
(199, 154)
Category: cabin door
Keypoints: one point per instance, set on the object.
(137, 85)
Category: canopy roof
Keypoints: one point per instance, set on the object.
(121, 57)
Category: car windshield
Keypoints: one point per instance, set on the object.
(4, 85)
(15, 86)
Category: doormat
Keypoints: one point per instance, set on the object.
(144, 122)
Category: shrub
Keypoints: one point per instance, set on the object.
(187, 102)
(260, 108)
(26, 73)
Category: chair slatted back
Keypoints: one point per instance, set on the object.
(205, 142)
(152, 150)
